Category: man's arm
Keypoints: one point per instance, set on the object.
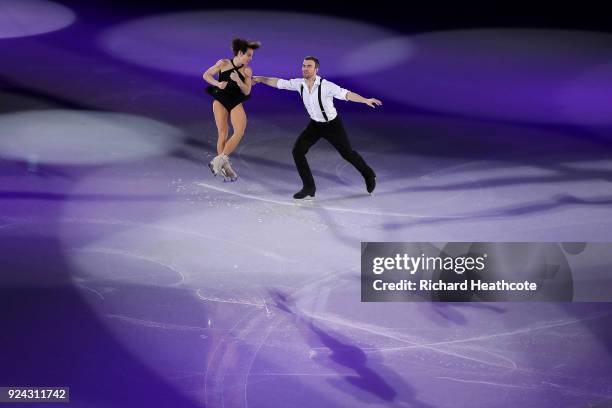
(371, 102)
(273, 82)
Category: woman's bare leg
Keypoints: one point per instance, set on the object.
(239, 122)
(221, 116)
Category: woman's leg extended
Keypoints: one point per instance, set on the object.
(239, 122)
(221, 116)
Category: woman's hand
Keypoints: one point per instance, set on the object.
(222, 85)
(234, 76)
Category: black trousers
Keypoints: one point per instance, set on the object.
(332, 131)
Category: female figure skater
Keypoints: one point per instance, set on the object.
(230, 90)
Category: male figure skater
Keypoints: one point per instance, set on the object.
(317, 95)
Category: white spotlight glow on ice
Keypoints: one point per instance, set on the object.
(83, 137)
(23, 18)
(378, 55)
(189, 42)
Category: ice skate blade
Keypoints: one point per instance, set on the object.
(212, 170)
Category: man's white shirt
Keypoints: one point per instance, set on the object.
(329, 91)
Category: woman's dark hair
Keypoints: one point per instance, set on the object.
(240, 44)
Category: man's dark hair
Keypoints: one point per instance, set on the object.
(241, 44)
(311, 58)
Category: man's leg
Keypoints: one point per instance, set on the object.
(336, 135)
(307, 138)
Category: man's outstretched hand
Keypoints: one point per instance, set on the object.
(373, 102)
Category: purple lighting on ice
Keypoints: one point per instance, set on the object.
(135, 277)
(531, 75)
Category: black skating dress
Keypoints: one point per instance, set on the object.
(231, 96)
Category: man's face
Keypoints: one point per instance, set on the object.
(245, 58)
(308, 69)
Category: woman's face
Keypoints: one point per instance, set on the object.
(245, 58)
